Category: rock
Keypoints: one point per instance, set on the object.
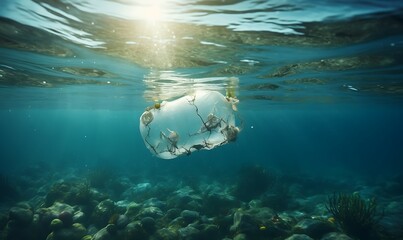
(259, 223)
(154, 202)
(148, 224)
(21, 216)
(69, 192)
(122, 221)
(58, 207)
(299, 237)
(392, 221)
(312, 204)
(184, 198)
(56, 224)
(188, 233)
(336, 236)
(79, 217)
(66, 217)
(138, 192)
(44, 216)
(87, 237)
(24, 205)
(134, 230)
(240, 236)
(172, 213)
(313, 227)
(103, 212)
(16, 231)
(210, 231)
(153, 212)
(74, 232)
(50, 236)
(79, 230)
(122, 204)
(132, 210)
(3, 220)
(250, 220)
(111, 228)
(219, 203)
(103, 234)
(244, 223)
(92, 229)
(189, 216)
(166, 234)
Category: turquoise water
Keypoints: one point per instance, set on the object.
(320, 84)
(318, 81)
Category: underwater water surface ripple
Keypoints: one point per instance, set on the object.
(121, 53)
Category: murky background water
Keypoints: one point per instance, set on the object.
(318, 81)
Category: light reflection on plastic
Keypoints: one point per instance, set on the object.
(202, 120)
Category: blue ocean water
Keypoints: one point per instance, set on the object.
(320, 85)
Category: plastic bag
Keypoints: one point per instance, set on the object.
(202, 120)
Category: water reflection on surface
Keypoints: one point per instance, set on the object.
(168, 47)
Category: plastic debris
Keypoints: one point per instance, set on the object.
(202, 120)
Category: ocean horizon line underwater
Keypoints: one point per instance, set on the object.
(201, 119)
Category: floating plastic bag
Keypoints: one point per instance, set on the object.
(202, 120)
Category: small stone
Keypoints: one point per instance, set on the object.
(154, 202)
(50, 236)
(78, 217)
(336, 236)
(210, 231)
(189, 216)
(122, 221)
(299, 237)
(153, 212)
(132, 209)
(79, 230)
(92, 229)
(111, 228)
(240, 236)
(58, 208)
(188, 233)
(102, 234)
(74, 232)
(87, 237)
(313, 227)
(148, 224)
(67, 218)
(134, 230)
(24, 205)
(166, 234)
(172, 213)
(245, 223)
(218, 201)
(56, 224)
(21, 216)
(103, 212)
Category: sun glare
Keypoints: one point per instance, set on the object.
(153, 11)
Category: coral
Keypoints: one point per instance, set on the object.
(357, 217)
